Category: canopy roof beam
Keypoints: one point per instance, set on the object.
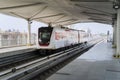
(21, 6)
(65, 21)
(92, 13)
(100, 19)
(71, 23)
(60, 18)
(93, 9)
(48, 16)
(17, 15)
(90, 0)
(40, 11)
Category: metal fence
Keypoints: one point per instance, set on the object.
(8, 39)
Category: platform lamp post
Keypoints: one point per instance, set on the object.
(116, 6)
(29, 33)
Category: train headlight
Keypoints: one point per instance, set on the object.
(116, 5)
(39, 40)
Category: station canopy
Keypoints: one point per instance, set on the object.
(61, 12)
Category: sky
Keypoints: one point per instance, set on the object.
(95, 28)
(9, 22)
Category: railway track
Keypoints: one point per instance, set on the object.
(10, 61)
(29, 70)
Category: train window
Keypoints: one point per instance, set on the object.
(44, 36)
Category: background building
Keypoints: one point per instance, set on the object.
(15, 38)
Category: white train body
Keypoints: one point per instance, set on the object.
(57, 37)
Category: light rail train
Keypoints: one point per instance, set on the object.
(58, 38)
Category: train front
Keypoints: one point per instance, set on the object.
(44, 37)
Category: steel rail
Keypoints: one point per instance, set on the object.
(33, 62)
(17, 72)
(16, 58)
(30, 69)
(51, 63)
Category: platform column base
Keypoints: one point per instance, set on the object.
(114, 46)
(116, 56)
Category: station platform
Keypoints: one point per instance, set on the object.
(95, 64)
(15, 50)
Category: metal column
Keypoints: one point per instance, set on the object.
(29, 34)
(114, 33)
(118, 33)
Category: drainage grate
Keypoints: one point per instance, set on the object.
(113, 70)
(63, 73)
(112, 75)
(90, 0)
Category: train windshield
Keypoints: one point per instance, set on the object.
(44, 35)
